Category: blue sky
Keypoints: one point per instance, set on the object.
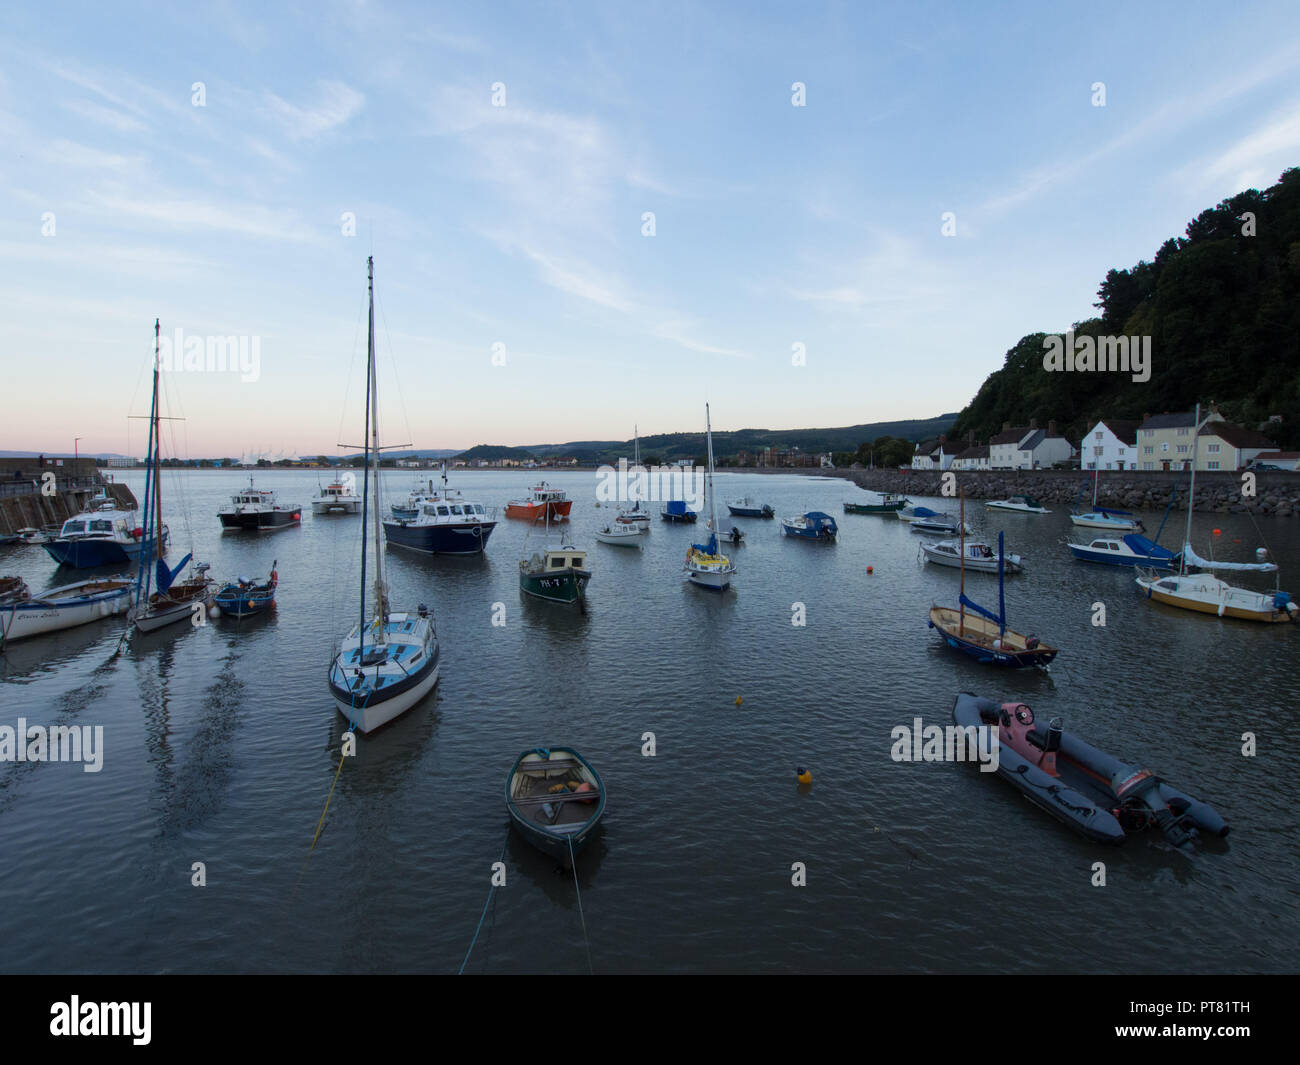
(521, 225)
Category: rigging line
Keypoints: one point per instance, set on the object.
(573, 865)
(392, 360)
(491, 895)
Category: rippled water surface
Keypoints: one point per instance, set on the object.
(221, 744)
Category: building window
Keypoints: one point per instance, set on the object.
(1148, 432)
(1148, 465)
(1183, 449)
(1213, 449)
(1097, 450)
(1164, 446)
(1148, 451)
(1098, 435)
(1211, 465)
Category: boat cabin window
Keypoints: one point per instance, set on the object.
(443, 511)
(456, 508)
(71, 527)
(101, 526)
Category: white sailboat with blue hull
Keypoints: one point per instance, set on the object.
(389, 662)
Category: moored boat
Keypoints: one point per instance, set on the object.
(705, 564)
(558, 574)
(256, 510)
(1018, 504)
(105, 534)
(245, 596)
(1099, 517)
(941, 525)
(543, 503)
(914, 512)
(974, 554)
(675, 511)
(65, 607)
(815, 525)
(337, 497)
(1132, 549)
(884, 503)
(443, 522)
(620, 534)
(555, 799)
(746, 507)
(1081, 786)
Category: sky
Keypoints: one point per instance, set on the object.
(589, 216)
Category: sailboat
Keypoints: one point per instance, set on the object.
(1208, 594)
(705, 564)
(636, 515)
(173, 600)
(1119, 521)
(388, 663)
(984, 635)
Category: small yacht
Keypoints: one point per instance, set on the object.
(1021, 504)
(978, 556)
(255, 509)
(104, 535)
(620, 534)
(815, 525)
(746, 507)
(337, 497)
(1129, 550)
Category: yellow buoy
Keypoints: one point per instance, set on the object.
(738, 700)
(803, 775)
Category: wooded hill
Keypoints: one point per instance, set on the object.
(1222, 307)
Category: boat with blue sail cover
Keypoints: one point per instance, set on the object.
(1099, 517)
(815, 525)
(161, 599)
(1131, 549)
(677, 512)
(706, 566)
(983, 635)
(915, 512)
(390, 660)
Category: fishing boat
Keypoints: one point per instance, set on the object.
(558, 574)
(815, 525)
(246, 596)
(65, 607)
(13, 590)
(884, 503)
(161, 599)
(1132, 549)
(33, 536)
(337, 497)
(105, 534)
(1099, 517)
(982, 634)
(389, 662)
(544, 502)
(975, 554)
(705, 565)
(745, 507)
(555, 799)
(913, 513)
(677, 512)
(256, 510)
(1207, 594)
(1021, 504)
(620, 534)
(443, 523)
(940, 525)
(1083, 787)
(9, 538)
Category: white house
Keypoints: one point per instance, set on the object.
(975, 457)
(1028, 448)
(1111, 444)
(934, 454)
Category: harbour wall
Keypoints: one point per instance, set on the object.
(22, 506)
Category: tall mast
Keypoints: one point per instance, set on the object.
(961, 599)
(381, 599)
(145, 571)
(157, 454)
(1191, 498)
(708, 484)
(636, 445)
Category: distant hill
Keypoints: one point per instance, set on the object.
(1222, 308)
(494, 452)
(669, 447)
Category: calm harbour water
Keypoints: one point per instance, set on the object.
(221, 744)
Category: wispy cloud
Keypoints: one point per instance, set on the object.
(109, 117)
(1256, 160)
(189, 215)
(673, 331)
(337, 105)
(582, 282)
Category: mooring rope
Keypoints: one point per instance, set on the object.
(573, 865)
(491, 895)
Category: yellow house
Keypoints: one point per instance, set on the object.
(1229, 447)
(1164, 441)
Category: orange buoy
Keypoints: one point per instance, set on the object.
(803, 776)
(871, 569)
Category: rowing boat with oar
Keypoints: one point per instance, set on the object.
(555, 799)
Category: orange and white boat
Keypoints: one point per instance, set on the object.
(545, 502)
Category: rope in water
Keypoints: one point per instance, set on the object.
(573, 865)
(491, 894)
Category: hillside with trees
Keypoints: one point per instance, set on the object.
(1222, 307)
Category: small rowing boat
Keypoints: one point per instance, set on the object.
(555, 799)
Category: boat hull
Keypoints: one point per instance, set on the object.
(873, 508)
(65, 608)
(238, 604)
(563, 842)
(1098, 521)
(162, 613)
(713, 580)
(982, 565)
(467, 538)
(558, 586)
(89, 553)
(1112, 558)
(975, 639)
(1203, 594)
(389, 702)
(261, 521)
(334, 506)
(750, 512)
(556, 510)
(632, 539)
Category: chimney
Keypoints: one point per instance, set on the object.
(1033, 423)
(1146, 416)
(970, 436)
(1006, 427)
(943, 438)
(1051, 427)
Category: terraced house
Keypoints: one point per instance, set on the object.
(1028, 448)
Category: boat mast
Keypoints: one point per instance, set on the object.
(1191, 498)
(708, 483)
(372, 414)
(145, 571)
(157, 456)
(961, 599)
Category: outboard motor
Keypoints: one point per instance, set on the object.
(1055, 730)
(1140, 788)
(422, 610)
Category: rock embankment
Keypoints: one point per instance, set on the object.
(1274, 493)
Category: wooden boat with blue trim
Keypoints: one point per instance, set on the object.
(555, 799)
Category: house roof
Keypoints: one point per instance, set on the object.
(1010, 436)
(1179, 420)
(1123, 430)
(1236, 435)
(1279, 455)
(925, 447)
(978, 451)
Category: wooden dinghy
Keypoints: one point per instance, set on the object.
(555, 799)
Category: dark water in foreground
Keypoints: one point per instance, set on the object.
(221, 742)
